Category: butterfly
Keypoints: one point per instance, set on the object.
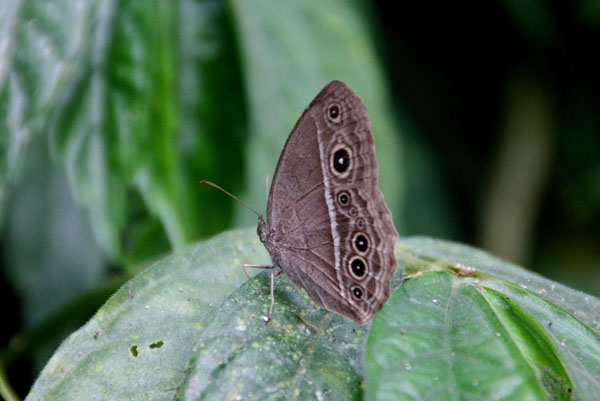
(327, 226)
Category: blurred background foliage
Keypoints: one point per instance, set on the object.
(486, 120)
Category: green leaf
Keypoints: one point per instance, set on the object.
(445, 341)
(431, 253)
(35, 44)
(304, 353)
(139, 343)
(192, 327)
(479, 327)
(139, 99)
(576, 346)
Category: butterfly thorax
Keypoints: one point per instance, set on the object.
(268, 236)
(261, 230)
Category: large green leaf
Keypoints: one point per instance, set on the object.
(305, 353)
(443, 339)
(140, 342)
(479, 327)
(138, 98)
(464, 328)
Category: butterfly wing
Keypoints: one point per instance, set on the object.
(328, 227)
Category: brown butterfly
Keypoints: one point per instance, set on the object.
(327, 227)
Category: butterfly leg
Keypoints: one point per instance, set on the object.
(273, 275)
(255, 267)
(260, 266)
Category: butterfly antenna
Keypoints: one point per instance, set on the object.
(212, 184)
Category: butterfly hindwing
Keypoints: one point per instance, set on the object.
(327, 223)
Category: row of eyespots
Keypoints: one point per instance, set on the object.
(341, 155)
(340, 165)
(357, 265)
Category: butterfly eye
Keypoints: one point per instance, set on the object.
(334, 113)
(343, 198)
(360, 243)
(357, 267)
(360, 224)
(356, 292)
